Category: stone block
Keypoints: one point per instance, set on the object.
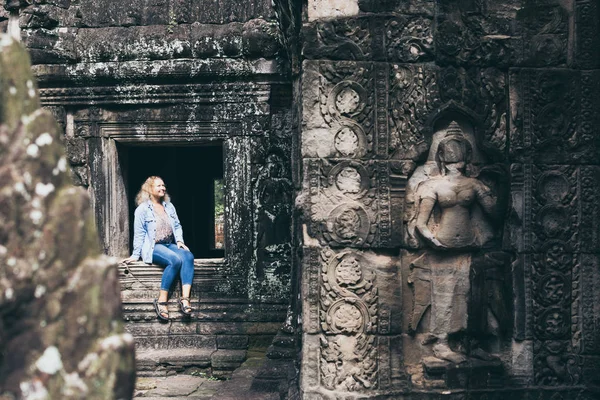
(285, 341)
(552, 118)
(105, 13)
(76, 150)
(152, 362)
(204, 11)
(136, 42)
(227, 359)
(80, 175)
(260, 39)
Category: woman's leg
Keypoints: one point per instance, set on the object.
(163, 255)
(187, 270)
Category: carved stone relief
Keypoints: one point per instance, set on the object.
(551, 123)
(273, 226)
(586, 17)
(399, 38)
(454, 204)
(417, 92)
(496, 267)
(474, 37)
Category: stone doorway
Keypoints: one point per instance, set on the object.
(194, 179)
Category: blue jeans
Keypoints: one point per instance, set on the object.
(176, 261)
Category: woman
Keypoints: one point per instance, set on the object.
(158, 239)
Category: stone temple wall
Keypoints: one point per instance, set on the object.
(450, 173)
(445, 155)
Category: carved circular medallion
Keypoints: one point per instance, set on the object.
(547, 48)
(449, 38)
(553, 323)
(554, 220)
(553, 122)
(346, 142)
(557, 256)
(347, 99)
(348, 181)
(348, 316)
(350, 178)
(553, 289)
(349, 224)
(348, 272)
(551, 86)
(347, 275)
(350, 140)
(553, 187)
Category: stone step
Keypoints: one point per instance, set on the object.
(200, 385)
(163, 362)
(274, 376)
(285, 340)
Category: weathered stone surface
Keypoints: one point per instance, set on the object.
(106, 13)
(227, 359)
(255, 39)
(182, 385)
(61, 334)
(232, 342)
(325, 9)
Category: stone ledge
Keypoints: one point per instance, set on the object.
(157, 70)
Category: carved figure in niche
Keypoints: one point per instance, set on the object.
(454, 217)
(274, 214)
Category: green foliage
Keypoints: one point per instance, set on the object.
(219, 198)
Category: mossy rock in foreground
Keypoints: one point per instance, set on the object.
(61, 335)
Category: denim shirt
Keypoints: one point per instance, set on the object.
(144, 229)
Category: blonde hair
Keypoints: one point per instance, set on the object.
(144, 193)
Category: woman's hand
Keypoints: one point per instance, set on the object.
(180, 245)
(129, 260)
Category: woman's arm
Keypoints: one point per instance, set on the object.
(139, 233)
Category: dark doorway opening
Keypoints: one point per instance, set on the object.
(193, 176)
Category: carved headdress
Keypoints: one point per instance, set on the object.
(453, 148)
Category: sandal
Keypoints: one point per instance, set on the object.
(161, 310)
(187, 310)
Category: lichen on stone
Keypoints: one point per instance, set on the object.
(53, 273)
